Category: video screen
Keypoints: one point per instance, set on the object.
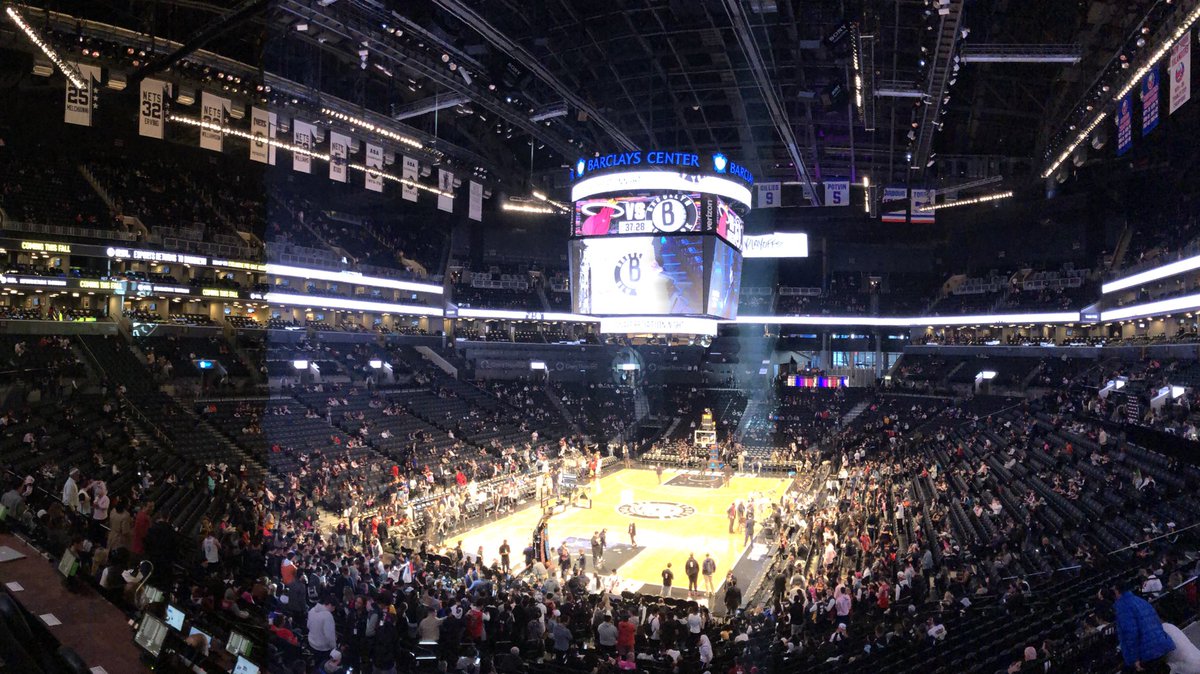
(640, 275)
(724, 280)
(238, 644)
(729, 225)
(175, 618)
(661, 213)
(150, 634)
(244, 666)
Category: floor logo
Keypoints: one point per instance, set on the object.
(657, 510)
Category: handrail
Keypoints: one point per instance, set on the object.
(1134, 546)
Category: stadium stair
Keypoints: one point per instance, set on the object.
(854, 412)
(443, 364)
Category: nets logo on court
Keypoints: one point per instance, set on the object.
(657, 510)
(628, 273)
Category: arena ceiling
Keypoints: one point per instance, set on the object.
(951, 90)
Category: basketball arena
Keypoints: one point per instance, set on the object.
(628, 337)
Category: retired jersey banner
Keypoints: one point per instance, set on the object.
(1181, 72)
(409, 172)
(1124, 120)
(152, 114)
(374, 162)
(837, 193)
(262, 127)
(80, 101)
(892, 207)
(339, 150)
(213, 109)
(302, 137)
(446, 186)
(475, 205)
(768, 195)
(1150, 101)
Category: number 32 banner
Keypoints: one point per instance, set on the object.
(152, 113)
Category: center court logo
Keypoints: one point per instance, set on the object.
(657, 510)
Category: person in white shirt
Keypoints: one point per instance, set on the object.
(706, 650)
(70, 492)
(212, 550)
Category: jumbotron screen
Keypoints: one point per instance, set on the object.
(657, 243)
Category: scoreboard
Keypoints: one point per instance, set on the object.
(663, 242)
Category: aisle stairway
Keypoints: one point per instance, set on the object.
(854, 412)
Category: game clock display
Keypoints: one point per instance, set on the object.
(663, 213)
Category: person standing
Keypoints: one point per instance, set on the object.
(564, 560)
(597, 551)
(707, 568)
(667, 577)
(732, 516)
(120, 526)
(1143, 640)
(658, 470)
(505, 550)
(603, 544)
(70, 491)
(692, 568)
(749, 530)
(733, 596)
(633, 534)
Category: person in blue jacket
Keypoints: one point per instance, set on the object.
(1143, 641)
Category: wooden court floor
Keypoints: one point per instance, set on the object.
(674, 520)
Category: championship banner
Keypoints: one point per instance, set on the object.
(768, 195)
(213, 109)
(1181, 72)
(79, 102)
(475, 205)
(892, 205)
(339, 150)
(302, 137)
(1150, 101)
(374, 162)
(409, 171)
(446, 185)
(153, 110)
(262, 127)
(837, 193)
(1124, 121)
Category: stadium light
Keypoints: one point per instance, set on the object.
(1168, 306)
(525, 208)
(367, 126)
(983, 199)
(286, 299)
(375, 363)
(300, 364)
(66, 68)
(1184, 265)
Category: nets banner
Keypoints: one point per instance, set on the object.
(302, 137)
(213, 109)
(475, 205)
(769, 195)
(409, 173)
(446, 185)
(339, 150)
(152, 113)
(893, 209)
(262, 127)
(374, 162)
(81, 100)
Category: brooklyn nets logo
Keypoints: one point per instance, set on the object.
(657, 510)
(628, 273)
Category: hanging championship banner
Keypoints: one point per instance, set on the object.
(153, 111)
(213, 109)
(374, 164)
(891, 208)
(768, 195)
(79, 102)
(262, 127)
(1181, 72)
(409, 172)
(837, 193)
(1150, 101)
(1125, 125)
(475, 205)
(302, 137)
(446, 185)
(339, 150)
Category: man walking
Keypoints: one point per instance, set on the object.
(1143, 641)
(504, 552)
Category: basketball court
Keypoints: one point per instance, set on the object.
(686, 514)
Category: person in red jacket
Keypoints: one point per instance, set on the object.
(626, 636)
(475, 624)
(141, 524)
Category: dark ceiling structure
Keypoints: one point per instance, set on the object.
(935, 93)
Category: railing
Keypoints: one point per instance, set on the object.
(66, 231)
